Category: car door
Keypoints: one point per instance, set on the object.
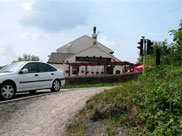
(29, 80)
(46, 75)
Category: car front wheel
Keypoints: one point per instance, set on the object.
(56, 85)
(7, 91)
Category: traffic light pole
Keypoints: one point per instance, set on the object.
(145, 49)
(144, 53)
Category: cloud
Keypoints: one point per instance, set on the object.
(35, 35)
(27, 5)
(106, 41)
(131, 59)
(7, 54)
(56, 15)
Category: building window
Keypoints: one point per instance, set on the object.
(74, 70)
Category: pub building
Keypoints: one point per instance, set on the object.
(86, 56)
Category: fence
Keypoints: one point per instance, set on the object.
(101, 78)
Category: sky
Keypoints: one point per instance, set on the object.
(39, 27)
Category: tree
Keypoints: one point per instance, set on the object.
(177, 44)
(28, 57)
(177, 36)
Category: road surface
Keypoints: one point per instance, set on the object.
(45, 115)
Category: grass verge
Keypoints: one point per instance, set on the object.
(90, 85)
(148, 106)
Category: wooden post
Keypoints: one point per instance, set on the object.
(85, 70)
(125, 68)
(104, 69)
(69, 71)
(77, 70)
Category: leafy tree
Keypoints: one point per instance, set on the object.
(28, 57)
(177, 36)
(177, 44)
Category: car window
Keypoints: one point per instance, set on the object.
(52, 68)
(45, 68)
(32, 67)
(12, 67)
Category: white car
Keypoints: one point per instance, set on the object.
(29, 76)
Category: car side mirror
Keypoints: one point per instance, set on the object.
(23, 71)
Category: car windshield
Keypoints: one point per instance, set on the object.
(11, 67)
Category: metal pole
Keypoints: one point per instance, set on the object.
(69, 71)
(144, 53)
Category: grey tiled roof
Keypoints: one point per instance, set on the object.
(58, 58)
(81, 44)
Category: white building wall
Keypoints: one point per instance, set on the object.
(58, 66)
(92, 70)
(90, 52)
(117, 68)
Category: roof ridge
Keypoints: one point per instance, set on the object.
(100, 43)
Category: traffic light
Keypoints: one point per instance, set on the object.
(141, 47)
(149, 47)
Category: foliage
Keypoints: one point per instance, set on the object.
(28, 57)
(150, 105)
(177, 36)
(177, 44)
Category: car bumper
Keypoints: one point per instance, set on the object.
(62, 80)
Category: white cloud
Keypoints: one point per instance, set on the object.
(27, 5)
(7, 55)
(35, 35)
(106, 41)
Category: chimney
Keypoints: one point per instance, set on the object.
(94, 36)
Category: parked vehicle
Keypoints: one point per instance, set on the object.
(139, 68)
(29, 76)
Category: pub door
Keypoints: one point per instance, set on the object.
(109, 70)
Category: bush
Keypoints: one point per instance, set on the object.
(150, 105)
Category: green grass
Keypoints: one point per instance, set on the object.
(90, 85)
(149, 106)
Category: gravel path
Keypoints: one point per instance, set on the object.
(43, 116)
